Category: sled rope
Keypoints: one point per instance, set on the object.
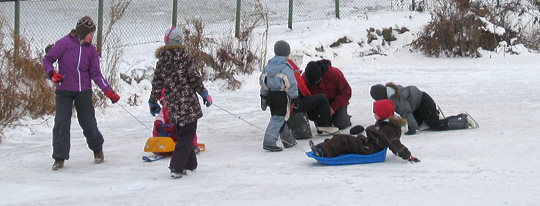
(134, 117)
(257, 127)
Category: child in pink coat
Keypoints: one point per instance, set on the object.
(164, 128)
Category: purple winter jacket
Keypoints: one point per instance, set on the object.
(78, 62)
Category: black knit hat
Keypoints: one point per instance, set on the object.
(282, 48)
(313, 72)
(84, 27)
(378, 92)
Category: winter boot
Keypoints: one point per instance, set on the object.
(58, 164)
(289, 145)
(175, 174)
(327, 130)
(273, 148)
(457, 122)
(98, 157)
(470, 121)
(317, 151)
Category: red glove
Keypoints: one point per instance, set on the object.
(169, 129)
(413, 159)
(55, 77)
(113, 96)
(157, 125)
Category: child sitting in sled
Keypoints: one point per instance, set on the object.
(164, 128)
(385, 133)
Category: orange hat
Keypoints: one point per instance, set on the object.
(383, 108)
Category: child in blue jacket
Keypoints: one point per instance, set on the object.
(278, 90)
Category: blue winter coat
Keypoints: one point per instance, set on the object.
(278, 75)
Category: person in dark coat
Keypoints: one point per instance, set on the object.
(78, 66)
(385, 133)
(316, 106)
(417, 107)
(322, 78)
(176, 70)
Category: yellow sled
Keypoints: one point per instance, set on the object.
(163, 145)
(159, 145)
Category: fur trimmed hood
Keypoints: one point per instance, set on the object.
(167, 47)
(397, 120)
(395, 87)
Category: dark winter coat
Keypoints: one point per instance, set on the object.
(406, 101)
(385, 133)
(333, 84)
(176, 71)
(78, 62)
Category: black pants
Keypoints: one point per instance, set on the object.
(428, 112)
(341, 119)
(317, 108)
(62, 122)
(184, 156)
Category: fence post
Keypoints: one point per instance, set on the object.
(337, 9)
(290, 13)
(237, 26)
(100, 28)
(175, 12)
(17, 27)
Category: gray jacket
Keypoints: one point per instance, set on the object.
(406, 101)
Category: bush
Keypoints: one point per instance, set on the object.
(230, 55)
(24, 87)
(460, 27)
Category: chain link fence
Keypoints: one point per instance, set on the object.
(45, 21)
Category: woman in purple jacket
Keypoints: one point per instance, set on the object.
(78, 64)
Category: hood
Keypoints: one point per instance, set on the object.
(167, 47)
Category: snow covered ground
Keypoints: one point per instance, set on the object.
(496, 164)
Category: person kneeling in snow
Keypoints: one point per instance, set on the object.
(417, 106)
(385, 133)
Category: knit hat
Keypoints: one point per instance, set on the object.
(84, 27)
(282, 48)
(313, 72)
(383, 108)
(174, 36)
(378, 92)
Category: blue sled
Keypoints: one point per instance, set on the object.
(348, 159)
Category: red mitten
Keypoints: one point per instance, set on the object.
(55, 77)
(157, 125)
(169, 129)
(113, 96)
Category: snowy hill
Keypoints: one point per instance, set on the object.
(496, 164)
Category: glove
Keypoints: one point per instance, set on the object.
(55, 77)
(168, 128)
(113, 96)
(154, 108)
(410, 132)
(207, 99)
(413, 160)
(264, 103)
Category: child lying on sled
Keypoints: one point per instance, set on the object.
(385, 133)
(164, 128)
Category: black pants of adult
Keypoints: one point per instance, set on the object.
(62, 122)
(317, 109)
(341, 119)
(427, 111)
(184, 156)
